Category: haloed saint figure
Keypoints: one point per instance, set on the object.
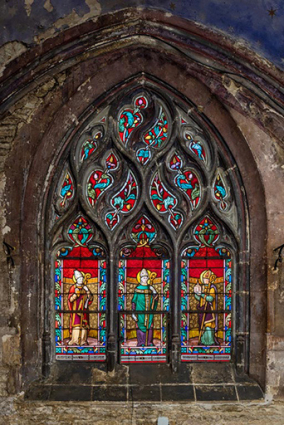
(145, 298)
(79, 299)
(206, 294)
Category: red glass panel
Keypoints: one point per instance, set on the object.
(206, 305)
(80, 304)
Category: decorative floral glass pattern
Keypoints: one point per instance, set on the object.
(99, 181)
(90, 146)
(206, 232)
(186, 180)
(80, 304)
(158, 134)
(124, 201)
(143, 232)
(80, 232)
(155, 138)
(66, 190)
(197, 146)
(165, 202)
(131, 118)
(220, 191)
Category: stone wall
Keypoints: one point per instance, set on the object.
(56, 88)
(71, 413)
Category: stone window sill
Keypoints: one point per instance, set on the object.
(146, 383)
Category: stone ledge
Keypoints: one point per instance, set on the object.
(216, 393)
(18, 411)
(146, 393)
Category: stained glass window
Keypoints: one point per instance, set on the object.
(143, 297)
(206, 297)
(80, 304)
(144, 231)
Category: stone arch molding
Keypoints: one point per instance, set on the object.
(111, 140)
(199, 47)
(173, 72)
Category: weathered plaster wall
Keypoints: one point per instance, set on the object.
(257, 23)
(270, 159)
(15, 126)
(23, 126)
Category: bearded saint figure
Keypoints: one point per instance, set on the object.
(145, 298)
(79, 299)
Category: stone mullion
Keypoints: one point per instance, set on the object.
(175, 310)
(112, 333)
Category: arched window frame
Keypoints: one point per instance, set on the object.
(237, 243)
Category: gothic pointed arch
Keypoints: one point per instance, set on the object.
(145, 195)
